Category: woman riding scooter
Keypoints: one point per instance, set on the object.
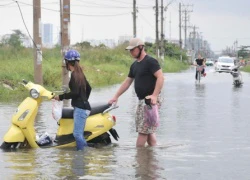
(79, 94)
(200, 61)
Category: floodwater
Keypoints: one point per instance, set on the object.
(203, 135)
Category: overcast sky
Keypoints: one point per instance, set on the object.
(221, 22)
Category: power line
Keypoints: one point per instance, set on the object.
(146, 20)
(80, 14)
(25, 23)
(27, 28)
(123, 2)
(2, 5)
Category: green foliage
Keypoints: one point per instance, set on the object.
(83, 45)
(246, 68)
(150, 48)
(14, 40)
(173, 51)
(173, 65)
(102, 46)
(102, 66)
(244, 52)
(105, 74)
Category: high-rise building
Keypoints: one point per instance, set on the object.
(47, 35)
(124, 38)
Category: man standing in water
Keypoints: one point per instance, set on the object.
(149, 79)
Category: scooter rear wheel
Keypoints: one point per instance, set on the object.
(103, 139)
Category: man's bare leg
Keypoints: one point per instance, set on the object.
(141, 140)
(152, 139)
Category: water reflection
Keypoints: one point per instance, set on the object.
(78, 164)
(147, 164)
(208, 125)
(200, 94)
(21, 165)
(200, 90)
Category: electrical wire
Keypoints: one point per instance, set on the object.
(146, 20)
(123, 2)
(27, 29)
(79, 14)
(2, 5)
(25, 24)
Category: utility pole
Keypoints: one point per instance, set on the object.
(37, 34)
(186, 11)
(65, 40)
(162, 33)
(134, 17)
(170, 27)
(156, 29)
(185, 29)
(194, 45)
(194, 38)
(200, 47)
(180, 40)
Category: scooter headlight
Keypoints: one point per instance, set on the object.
(34, 93)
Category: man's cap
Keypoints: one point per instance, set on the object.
(134, 42)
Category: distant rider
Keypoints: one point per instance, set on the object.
(200, 61)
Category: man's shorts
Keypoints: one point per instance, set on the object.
(141, 122)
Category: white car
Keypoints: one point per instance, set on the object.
(224, 64)
(209, 62)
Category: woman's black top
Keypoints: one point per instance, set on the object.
(78, 94)
(199, 61)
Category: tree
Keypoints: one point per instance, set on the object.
(173, 50)
(243, 52)
(14, 40)
(84, 45)
(102, 46)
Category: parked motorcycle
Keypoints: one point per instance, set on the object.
(21, 134)
(237, 76)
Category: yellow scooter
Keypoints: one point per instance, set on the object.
(22, 133)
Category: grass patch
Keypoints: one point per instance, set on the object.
(173, 65)
(102, 67)
(246, 68)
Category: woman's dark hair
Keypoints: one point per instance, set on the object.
(79, 75)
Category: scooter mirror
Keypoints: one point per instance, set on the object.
(25, 82)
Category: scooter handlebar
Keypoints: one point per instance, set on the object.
(113, 106)
(41, 91)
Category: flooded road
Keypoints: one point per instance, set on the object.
(204, 134)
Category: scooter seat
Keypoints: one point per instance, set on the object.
(67, 112)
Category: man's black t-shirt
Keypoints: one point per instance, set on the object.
(143, 74)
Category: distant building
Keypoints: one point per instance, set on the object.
(123, 39)
(149, 40)
(107, 42)
(26, 42)
(47, 35)
(174, 41)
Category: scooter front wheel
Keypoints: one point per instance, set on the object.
(7, 146)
